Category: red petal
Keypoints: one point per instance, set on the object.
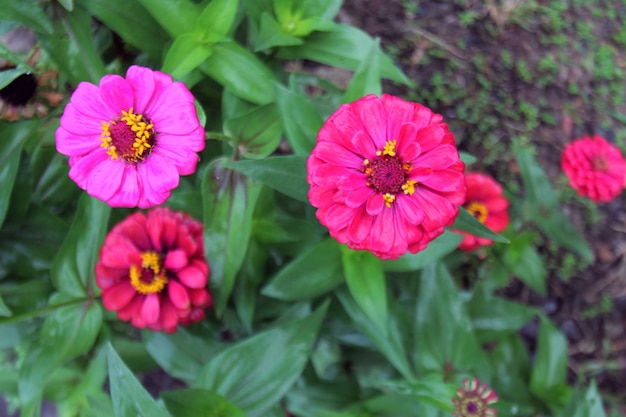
(118, 296)
(192, 277)
(151, 308)
(175, 260)
(178, 295)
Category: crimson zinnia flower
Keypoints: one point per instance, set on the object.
(129, 139)
(595, 168)
(152, 270)
(474, 400)
(484, 201)
(385, 176)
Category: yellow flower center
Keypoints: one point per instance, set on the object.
(150, 277)
(131, 137)
(388, 175)
(478, 210)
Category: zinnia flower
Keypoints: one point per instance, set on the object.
(484, 201)
(474, 400)
(152, 270)
(385, 176)
(595, 168)
(130, 139)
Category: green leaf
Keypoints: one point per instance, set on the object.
(468, 223)
(28, 12)
(228, 201)
(67, 4)
(72, 47)
(587, 404)
(130, 399)
(73, 266)
(366, 281)
(175, 16)
(255, 133)
(437, 249)
(256, 373)
(271, 34)
(13, 135)
(4, 310)
(522, 259)
(443, 331)
(306, 26)
(300, 118)
(539, 191)
(7, 76)
(195, 402)
(242, 72)
(306, 277)
(216, 20)
(186, 53)
(286, 174)
(248, 281)
(366, 79)
(132, 22)
(180, 354)
(68, 331)
(428, 390)
(511, 369)
(326, 9)
(345, 47)
(559, 229)
(548, 376)
(467, 158)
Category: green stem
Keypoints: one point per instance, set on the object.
(44, 310)
(217, 136)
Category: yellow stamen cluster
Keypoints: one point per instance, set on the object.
(478, 210)
(149, 260)
(388, 149)
(409, 187)
(143, 133)
(389, 198)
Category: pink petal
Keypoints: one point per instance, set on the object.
(183, 158)
(445, 180)
(116, 93)
(336, 154)
(360, 226)
(129, 192)
(105, 179)
(375, 204)
(158, 176)
(132, 309)
(192, 277)
(373, 116)
(106, 277)
(409, 209)
(73, 144)
(200, 297)
(175, 259)
(430, 137)
(76, 122)
(118, 296)
(151, 308)
(88, 101)
(141, 80)
(382, 234)
(364, 145)
(169, 317)
(439, 158)
(118, 251)
(81, 167)
(398, 113)
(178, 295)
(358, 197)
(173, 111)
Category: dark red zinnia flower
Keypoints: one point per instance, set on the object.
(595, 168)
(474, 400)
(152, 270)
(484, 200)
(385, 176)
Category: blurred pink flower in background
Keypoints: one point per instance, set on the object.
(129, 139)
(484, 201)
(385, 176)
(595, 168)
(474, 400)
(152, 270)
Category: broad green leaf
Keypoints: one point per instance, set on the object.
(175, 16)
(366, 281)
(524, 262)
(468, 223)
(286, 174)
(305, 27)
(467, 158)
(132, 22)
(511, 369)
(301, 120)
(68, 331)
(443, 330)
(28, 12)
(68, 4)
(4, 310)
(248, 281)
(326, 9)
(228, 200)
(390, 344)
(52, 184)
(255, 133)
(284, 10)
(539, 191)
(7, 76)
(587, 404)
(427, 390)
(186, 53)
(345, 47)
(73, 266)
(548, 376)
(271, 34)
(313, 273)
(180, 354)
(239, 70)
(216, 20)
(559, 229)
(73, 49)
(130, 399)
(366, 79)
(436, 250)
(14, 135)
(256, 373)
(195, 402)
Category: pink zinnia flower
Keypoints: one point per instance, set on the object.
(385, 176)
(484, 200)
(474, 400)
(129, 139)
(595, 168)
(152, 270)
